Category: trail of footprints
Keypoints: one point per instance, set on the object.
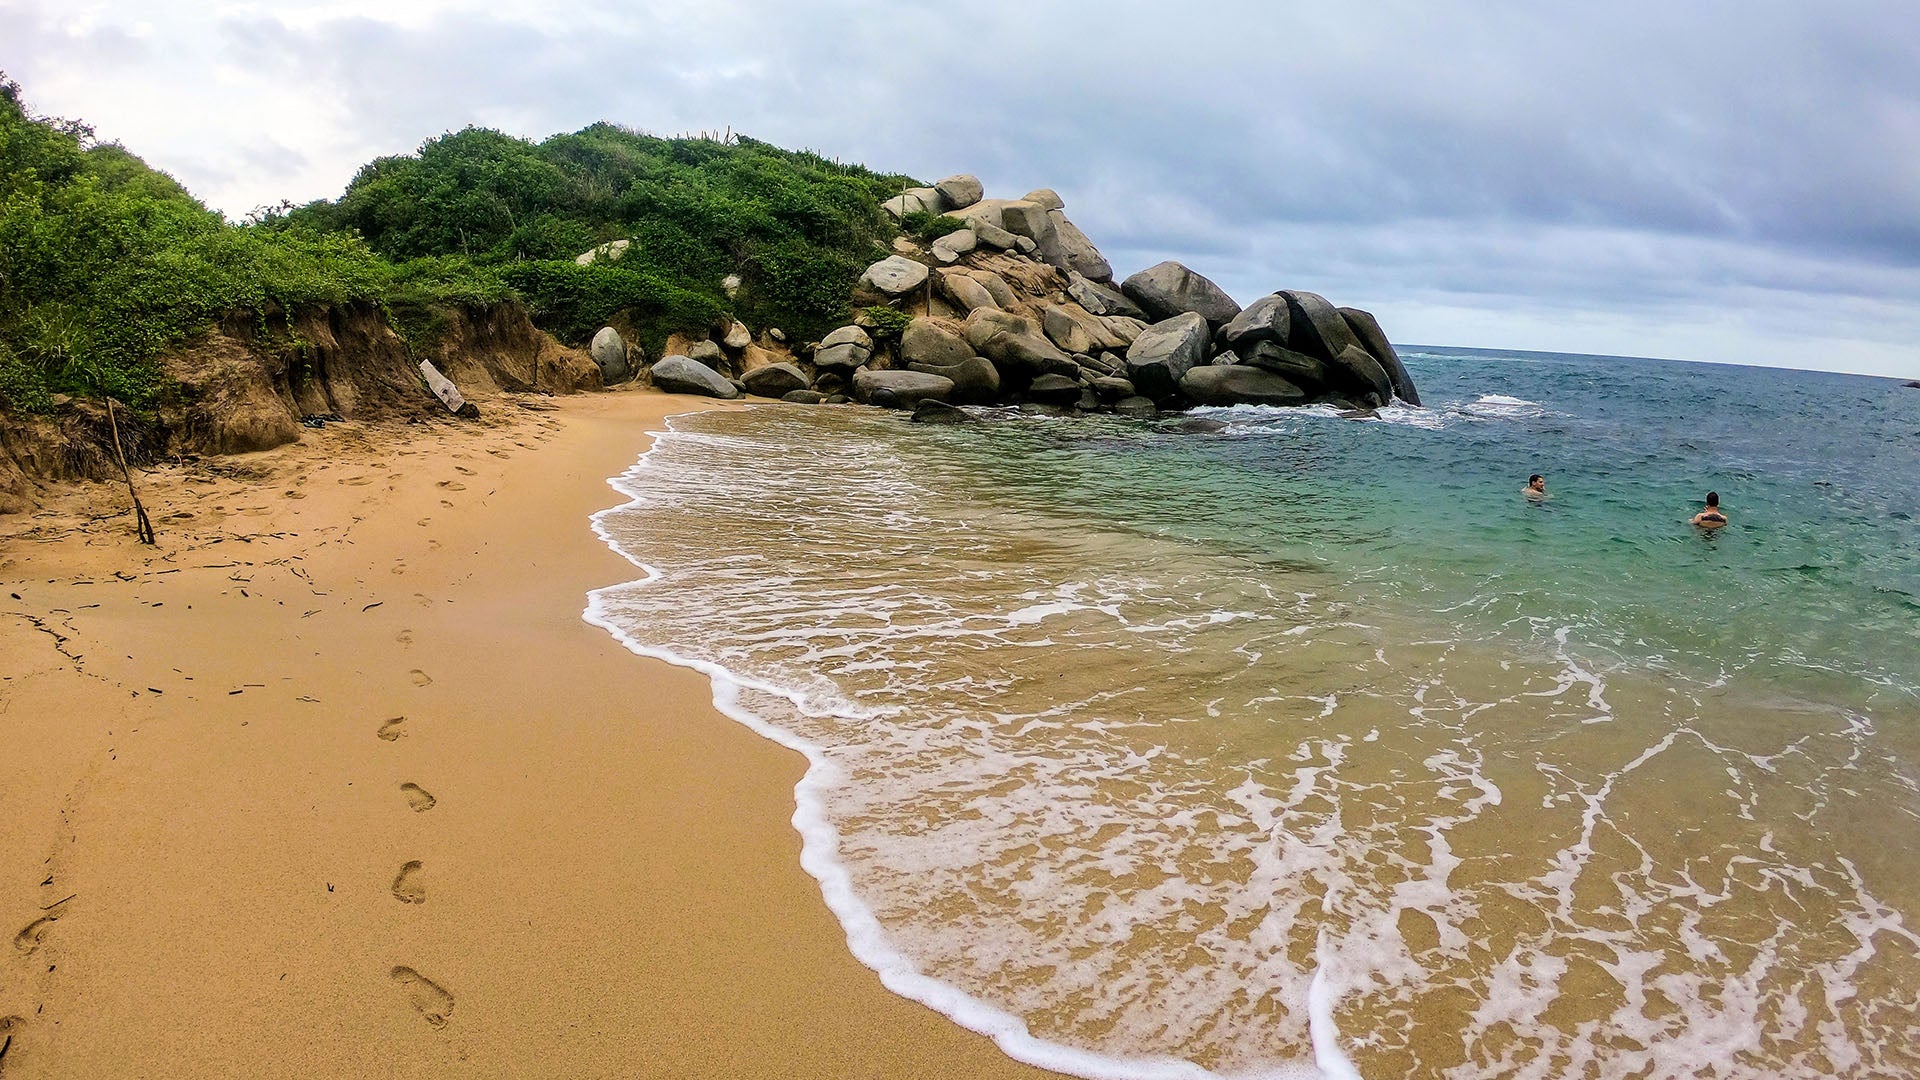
(425, 996)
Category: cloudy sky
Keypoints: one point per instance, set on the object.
(1723, 181)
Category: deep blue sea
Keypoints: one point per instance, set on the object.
(1287, 744)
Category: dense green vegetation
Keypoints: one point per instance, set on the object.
(105, 262)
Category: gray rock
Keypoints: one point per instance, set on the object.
(1315, 326)
(1014, 344)
(830, 382)
(1054, 390)
(1077, 253)
(911, 200)
(684, 375)
(610, 355)
(1064, 368)
(777, 334)
(1096, 367)
(984, 212)
(966, 293)
(774, 380)
(1108, 388)
(1168, 289)
(895, 275)
(1296, 367)
(935, 411)
(997, 287)
(848, 335)
(943, 255)
(708, 353)
(738, 336)
(927, 342)
(1364, 374)
(960, 241)
(841, 357)
(1065, 330)
(1239, 384)
(975, 380)
(1263, 320)
(1367, 329)
(1166, 351)
(804, 397)
(898, 389)
(836, 399)
(993, 235)
(610, 252)
(1025, 244)
(1136, 406)
(1028, 219)
(1048, 198)
(960, 192)
(1098, 298)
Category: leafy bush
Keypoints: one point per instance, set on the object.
(927, 226)
(886, 322)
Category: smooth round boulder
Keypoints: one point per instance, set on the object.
(1077, 253)
(1263, 320)
(683, 375)
(774, 380)
(737, 336)
(708, 353)
(1367, 329)
(935, 411)
(609, 355)
(966, 293)
(975, 380)
(846, 348)
(1238, 384)
(1169, 288)
(912, 200)
(898, 389)
(1315, 326)
(1166, 351)
(961, 191)
(1098, 298)
(927, 342)
(804, 397)
(1109, 388)
(1014, 344)
(1363, 372)
(1054, 390)
(1047, 198)
(895, 275)
(1296, 367)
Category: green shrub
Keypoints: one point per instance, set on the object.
(887, 322)
(927, 226)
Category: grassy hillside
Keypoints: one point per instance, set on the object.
(104, 262)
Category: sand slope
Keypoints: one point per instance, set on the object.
(336, 782)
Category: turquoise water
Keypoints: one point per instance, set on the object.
(1283, 744)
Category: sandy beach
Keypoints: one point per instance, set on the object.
(335, 781)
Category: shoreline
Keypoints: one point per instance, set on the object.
(564, 860)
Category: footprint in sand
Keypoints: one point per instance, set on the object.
(420, 678)
(356, 481)
(423, 599)
(418, 797)
(425, 995)
(8, 1026)
(391, 730)
(406, 885)
(29, 938)
(463, 470)
(453, 485)
(404, 637)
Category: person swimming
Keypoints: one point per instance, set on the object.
(1536, 487)
(1712, 517)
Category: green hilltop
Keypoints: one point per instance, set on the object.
(105, 262)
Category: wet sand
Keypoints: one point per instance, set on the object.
(335, 781)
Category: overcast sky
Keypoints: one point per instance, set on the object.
(1724, 181)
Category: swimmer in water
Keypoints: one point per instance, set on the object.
(1711, 517)
(1536, 487)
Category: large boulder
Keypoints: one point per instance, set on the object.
(948, 249)
(1315, 326)
(1099, 298)
(1168, 289)
(984, 212)
(997, 287)
(966, 293)
(895, 275)
(737, 336)
(682, 375)
(1066, 331)
(898, 389)
(1367, 329)
(1265, 319)
(1076, 251)
(1047, 198)
(992, 235)
(609, 355)
(1296, 367)
(1014, 344)
(774, 380)
(846, 348)
(928, 342)
(935, 411)
(975, 380)
(1109, 388)
(1238, 384)
(708, 353)
(1364, 374)
(1054, 390)
(1166, 351)
(610, 252)
(959, 192)
(912, 200)
(1031, 220)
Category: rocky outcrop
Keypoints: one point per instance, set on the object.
(959, 192)
(609, 353)
(1168, 289)
(1014, 344)
(1238, 384)
(895, 275)
(1367, 329)
(683, 375)
(845, 349)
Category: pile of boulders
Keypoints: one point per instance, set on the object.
(1018, 306)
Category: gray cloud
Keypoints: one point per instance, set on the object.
(1725, 162)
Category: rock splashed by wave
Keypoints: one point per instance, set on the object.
(1306, 745)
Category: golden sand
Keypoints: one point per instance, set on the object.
(334, 781)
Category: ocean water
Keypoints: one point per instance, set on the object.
(1308, 746)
